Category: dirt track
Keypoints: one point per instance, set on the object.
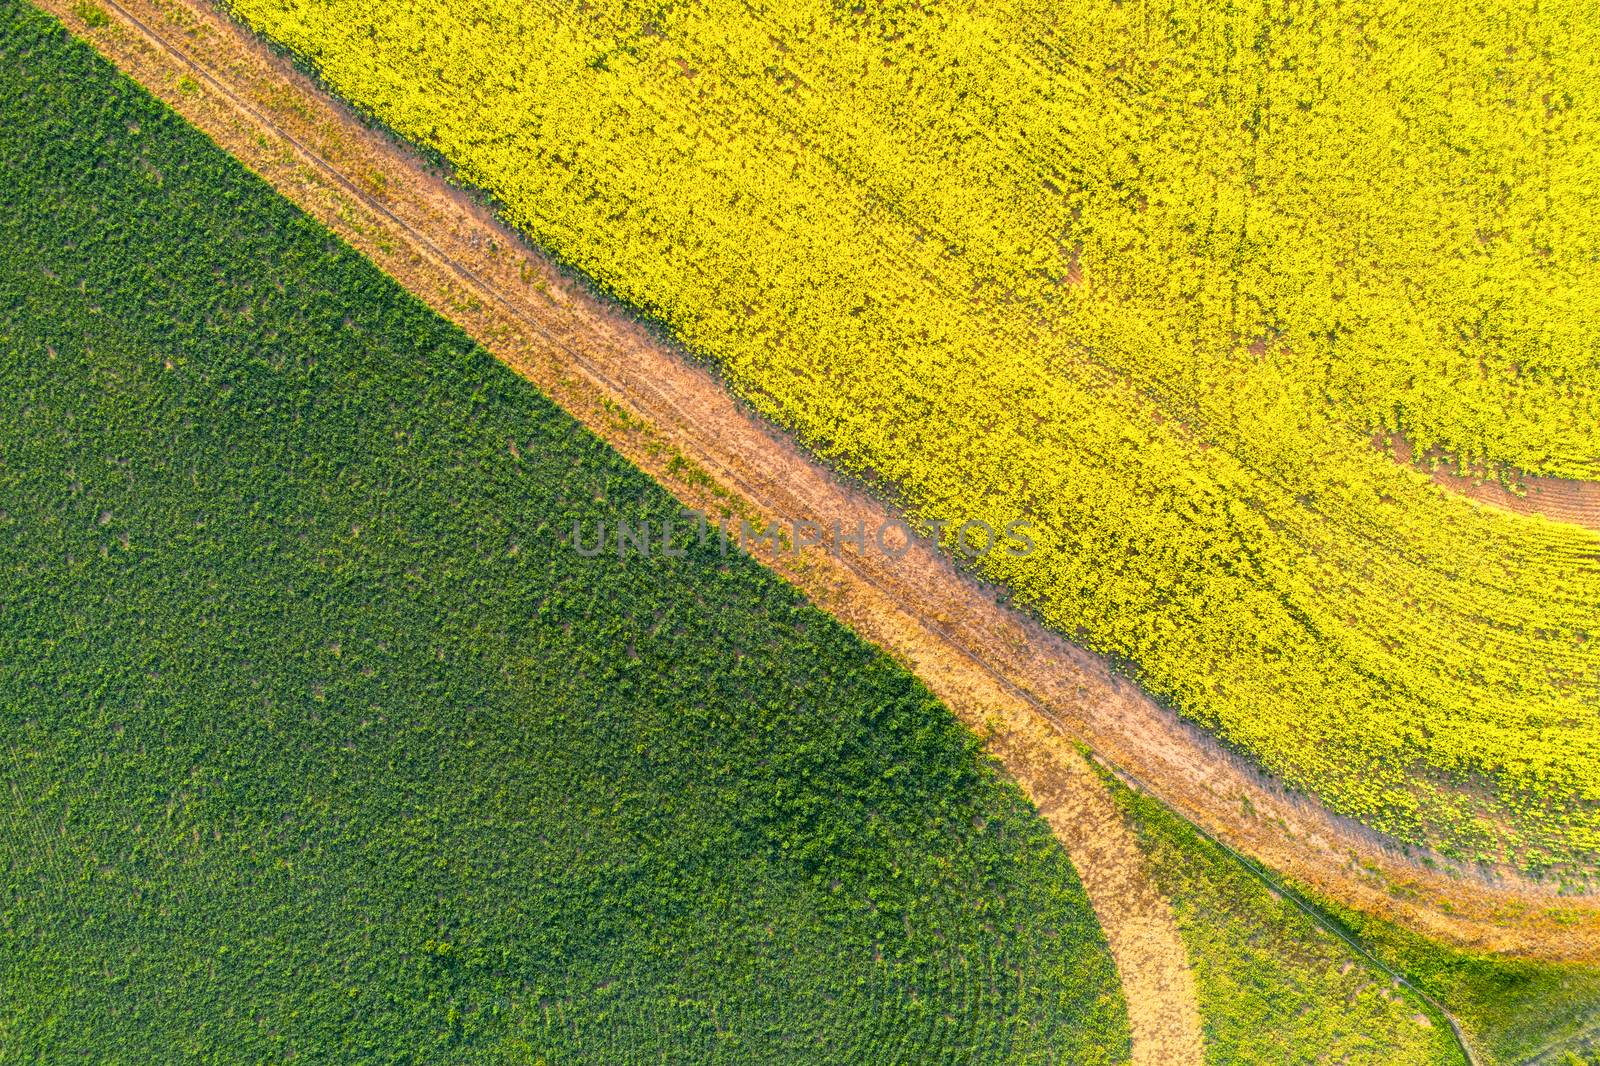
(1031, 693)
(1557, 498)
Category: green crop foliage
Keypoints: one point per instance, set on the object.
(1274, 986)
(1149, 273)
(1511, 1009)
(93, 15)
(319, 742)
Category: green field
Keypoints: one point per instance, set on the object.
(320, 743)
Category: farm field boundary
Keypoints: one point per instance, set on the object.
(1027, 690)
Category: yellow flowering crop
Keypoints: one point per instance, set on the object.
(1149, 274)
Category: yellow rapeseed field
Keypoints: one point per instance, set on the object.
(1148, 274)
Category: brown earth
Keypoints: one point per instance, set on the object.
(1557, 498)
(1032, 694)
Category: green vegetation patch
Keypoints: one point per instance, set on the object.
(1274, 986)
(319, 741)
(1512, 1010)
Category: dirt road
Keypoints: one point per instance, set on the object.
(1030, 692)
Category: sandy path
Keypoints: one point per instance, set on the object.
(1031, 693)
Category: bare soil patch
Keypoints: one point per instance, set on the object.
(1557, 498)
